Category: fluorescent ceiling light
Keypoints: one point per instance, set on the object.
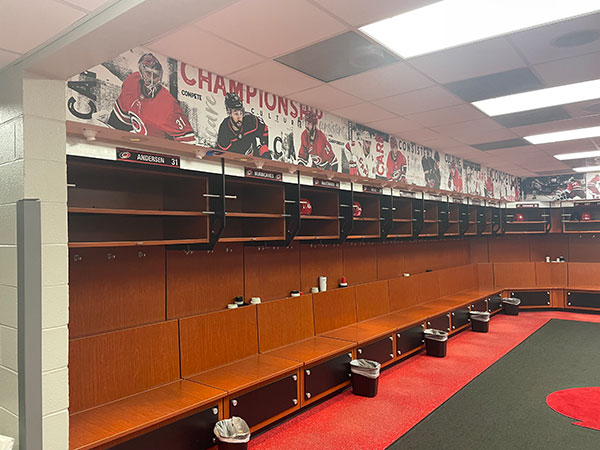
(587, 169)
(568, 135)
(578, 155)
(451, 23)
(541, 98)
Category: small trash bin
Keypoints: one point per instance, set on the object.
(365, 377)
(510, 306)
(436, 342)
(232, 434)
(480, 321)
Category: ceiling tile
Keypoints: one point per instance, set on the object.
(88, 5)
(272, 27)
(442, 143)
(469, 61)
(365, 113)
(394, 125)
(419, 101)
(325, 98)
(444, 116)
(509, 143)
(555, 148)
(420, 136)
(570, 70)
(475, 131)
(357, 14)
(532, 117)
(519, 152)
(338, 57)
(215, 54)
(276, 78)
(584, 109)
(561, 125)
(539, 44)
(495, 85)
(22, 29)
(383, 82)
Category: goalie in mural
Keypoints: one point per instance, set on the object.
(315, 149)
(431, 170)
(145, 107)
(243, 132)
(397, 165)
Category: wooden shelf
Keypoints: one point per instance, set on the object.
(399, 235)
(580, 221)
(366, 236)
(525, 232)
(136, 243)
(132, 212)
(403, 220)
(257, 215)
(311, 217)
(430, 221)
(366, 219)
(251, 238)
(313, 238)
(525, 222)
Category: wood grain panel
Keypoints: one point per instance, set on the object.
(549, 275)
(372, 300)
(456, 279)
(360, 262)
(403, 292)
(203, 281)
(114, 365)
(124, 291)
(282, 322)
(334, 309)
(138, 414)
(584, 248)
(479, 250)
(321, 259)
(509, 248)
(215, 339)
(548, 245)
(282, 264)
(390, 260)
(583, 274)
(429, 286)
(514, 275)
(485, 275)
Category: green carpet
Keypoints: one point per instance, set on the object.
(504, 407)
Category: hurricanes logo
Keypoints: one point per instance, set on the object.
(137, 124)
(124, 155)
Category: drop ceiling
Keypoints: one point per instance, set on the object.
(423, 99)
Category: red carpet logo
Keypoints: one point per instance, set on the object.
(582, 404)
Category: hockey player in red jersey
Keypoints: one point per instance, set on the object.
(455, 181)
(315, 147)
(145, 107)
(242, 132)
(593, 186)
(396, 163)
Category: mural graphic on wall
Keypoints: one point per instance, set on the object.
(149, 94)
(555, 188)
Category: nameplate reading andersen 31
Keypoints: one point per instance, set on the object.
(153, 159)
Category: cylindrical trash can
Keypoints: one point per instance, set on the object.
(436, 342)
(365, 377)
(510, 306)
(480, 321)
(232, 434)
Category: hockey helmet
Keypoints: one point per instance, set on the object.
(305, 207)
(311, 117)
(519, 217)
(151, 73)
(233, 101)
(356, 209)
(586, 216)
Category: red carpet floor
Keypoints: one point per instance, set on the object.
(408, 392)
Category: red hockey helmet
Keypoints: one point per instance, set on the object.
(151, 72)
(586, 216)
(305, 207)
(356, 209)
(519, 217)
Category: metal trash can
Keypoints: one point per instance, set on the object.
(365, 377)
(436, 342)
(232, 434)
(510, 306)
(480, 321)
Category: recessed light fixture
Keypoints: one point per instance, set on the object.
(567, 135)
(541, 98)
(578, 155)
(451, 23)
(587, 169)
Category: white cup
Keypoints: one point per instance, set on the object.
(322, 284)
(232, 306)
(255, 300)
(547, 259)
(314, 290)
(406, 274)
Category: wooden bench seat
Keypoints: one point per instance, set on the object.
(110, 424)
(126, 383)
(313, 350)
(363, 332)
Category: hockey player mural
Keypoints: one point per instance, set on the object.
(146, 93)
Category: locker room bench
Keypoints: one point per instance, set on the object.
(127, 384)
(220, 350)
